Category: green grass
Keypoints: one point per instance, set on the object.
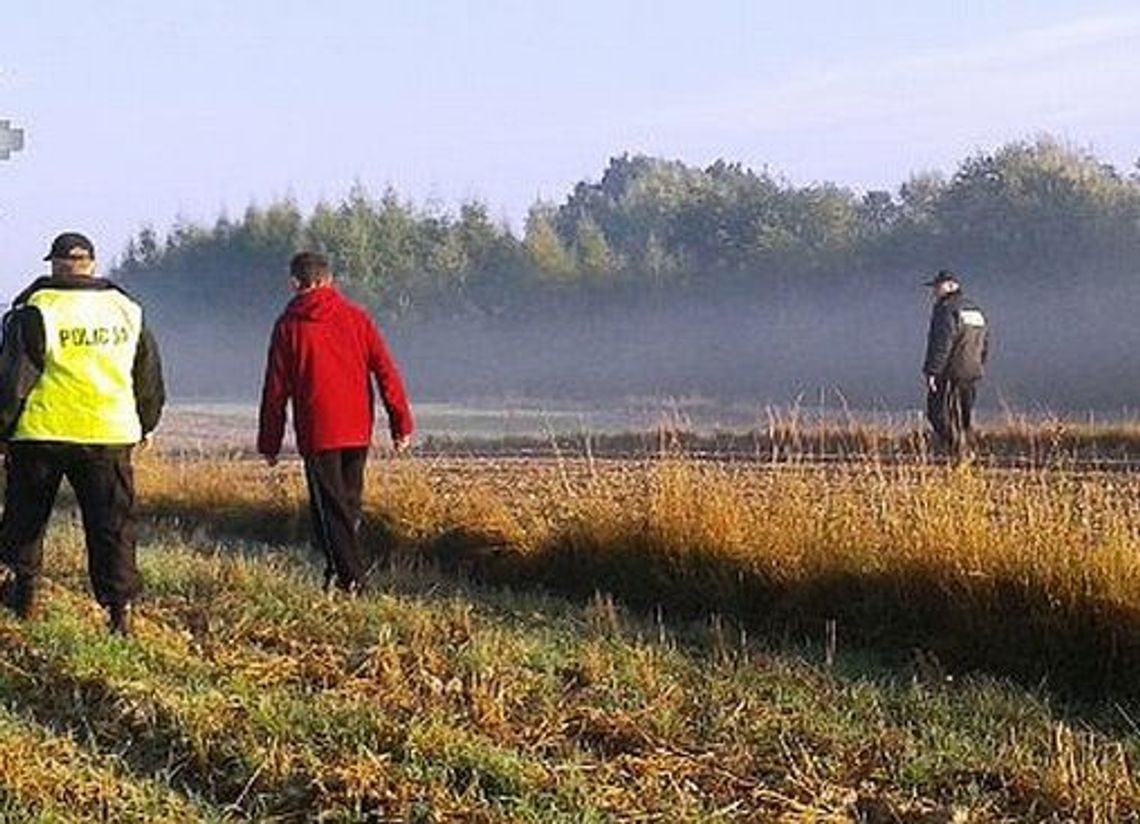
(249, 694)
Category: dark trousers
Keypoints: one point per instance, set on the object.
(950, 409)
(336, 484)
(103, 481)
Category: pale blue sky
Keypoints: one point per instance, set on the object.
(141, 112)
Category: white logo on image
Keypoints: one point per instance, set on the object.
(11, 140)
(972, 317)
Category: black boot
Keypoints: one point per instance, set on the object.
(120, 615)
(20, 594)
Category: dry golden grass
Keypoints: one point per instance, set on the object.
(800, 649)
(1029, 574)
(786, 437)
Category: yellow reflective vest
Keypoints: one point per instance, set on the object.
(86, 392)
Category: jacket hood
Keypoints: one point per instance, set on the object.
(317, 304)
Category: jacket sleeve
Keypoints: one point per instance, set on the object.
(21, 363)
(275, 393)
(939, 341)
(387, 376)
(150, 390)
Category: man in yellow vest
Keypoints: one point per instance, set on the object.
(80, 386)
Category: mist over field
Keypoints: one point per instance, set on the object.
(1053, 350)
(667, 281)
(1059, 350)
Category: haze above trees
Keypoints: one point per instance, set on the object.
(1033, 212)
(661, 279)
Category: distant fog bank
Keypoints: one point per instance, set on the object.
(1065, 351)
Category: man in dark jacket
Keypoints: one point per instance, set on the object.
(956, 349)
(323, 356)
(80, 385)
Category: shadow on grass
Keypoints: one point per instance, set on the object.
(1012, 627)
(1008, 628)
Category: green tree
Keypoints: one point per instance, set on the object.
(544, 247)
(592, 253)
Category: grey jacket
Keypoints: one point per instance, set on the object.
(958, 342)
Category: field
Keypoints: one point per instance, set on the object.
(664, 635)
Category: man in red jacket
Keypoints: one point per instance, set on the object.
(324, 352)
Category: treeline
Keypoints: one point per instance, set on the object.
(1029, 212)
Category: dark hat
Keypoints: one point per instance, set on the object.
(943, 276)
(70, 243)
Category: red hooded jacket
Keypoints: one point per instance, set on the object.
(323, 352)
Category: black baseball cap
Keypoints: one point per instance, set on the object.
(70, 244)
(943, 276)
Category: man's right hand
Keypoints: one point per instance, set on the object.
(402, 445)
